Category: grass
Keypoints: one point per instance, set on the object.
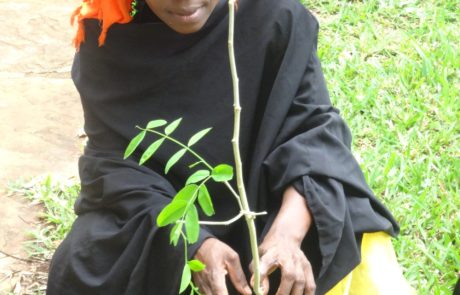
(393, 68)
(57, 196)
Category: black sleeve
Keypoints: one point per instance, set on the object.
(313, 154)
(115, 245)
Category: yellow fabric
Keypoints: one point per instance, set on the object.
(378, 273)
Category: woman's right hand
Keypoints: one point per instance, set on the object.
(220, 260)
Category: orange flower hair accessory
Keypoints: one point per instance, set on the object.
(108, 12)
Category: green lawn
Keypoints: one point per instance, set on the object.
(393, 68)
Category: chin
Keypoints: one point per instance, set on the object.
(188, 30)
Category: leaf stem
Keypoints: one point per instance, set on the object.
(184, 237)
(232, 220)
(235, 194)
(180, 144)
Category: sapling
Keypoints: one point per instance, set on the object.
(182, 212)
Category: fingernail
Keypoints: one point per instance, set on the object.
(248, 290)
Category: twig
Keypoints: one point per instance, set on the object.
(230, 221)
(32, 260)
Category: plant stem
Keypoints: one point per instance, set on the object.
(235, 142)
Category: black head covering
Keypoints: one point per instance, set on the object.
(291, 135)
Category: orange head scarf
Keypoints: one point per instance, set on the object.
(107, 12)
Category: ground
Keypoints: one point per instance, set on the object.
(40, 119)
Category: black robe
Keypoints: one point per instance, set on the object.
(291, 135)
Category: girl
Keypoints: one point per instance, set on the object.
(170, 60)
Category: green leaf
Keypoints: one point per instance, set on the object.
(134, 143)
(192, 225)
(186, 278)
(171, 213)
(222, 173)
(151, 150)
(187, 194)
(197, 176)
(196, 265)
(174, 235)
(156, 123)
(173, 160)
(171, 127)
(199, 135)
(204, 199)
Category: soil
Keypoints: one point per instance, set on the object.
(41, 119)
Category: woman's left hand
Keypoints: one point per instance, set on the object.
(281, 248)
(296, 272)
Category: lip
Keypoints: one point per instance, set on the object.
(188, 15)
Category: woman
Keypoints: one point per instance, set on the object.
(168, 61)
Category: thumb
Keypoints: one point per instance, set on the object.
(268, 263)
(265, 284)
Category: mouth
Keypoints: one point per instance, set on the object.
(188, 15)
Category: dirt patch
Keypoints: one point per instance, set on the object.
(40, 119)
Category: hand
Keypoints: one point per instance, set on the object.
(296, 272)
(220, 260)
(281, 248)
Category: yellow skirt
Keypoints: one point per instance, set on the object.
(378, 273)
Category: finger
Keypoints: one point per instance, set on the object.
(268, 264)
(299, 284)
(262, 255)
(218, 286)
(201, 283)
(236, 274)
(310, 285)
(266, 285)
(288, 277)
